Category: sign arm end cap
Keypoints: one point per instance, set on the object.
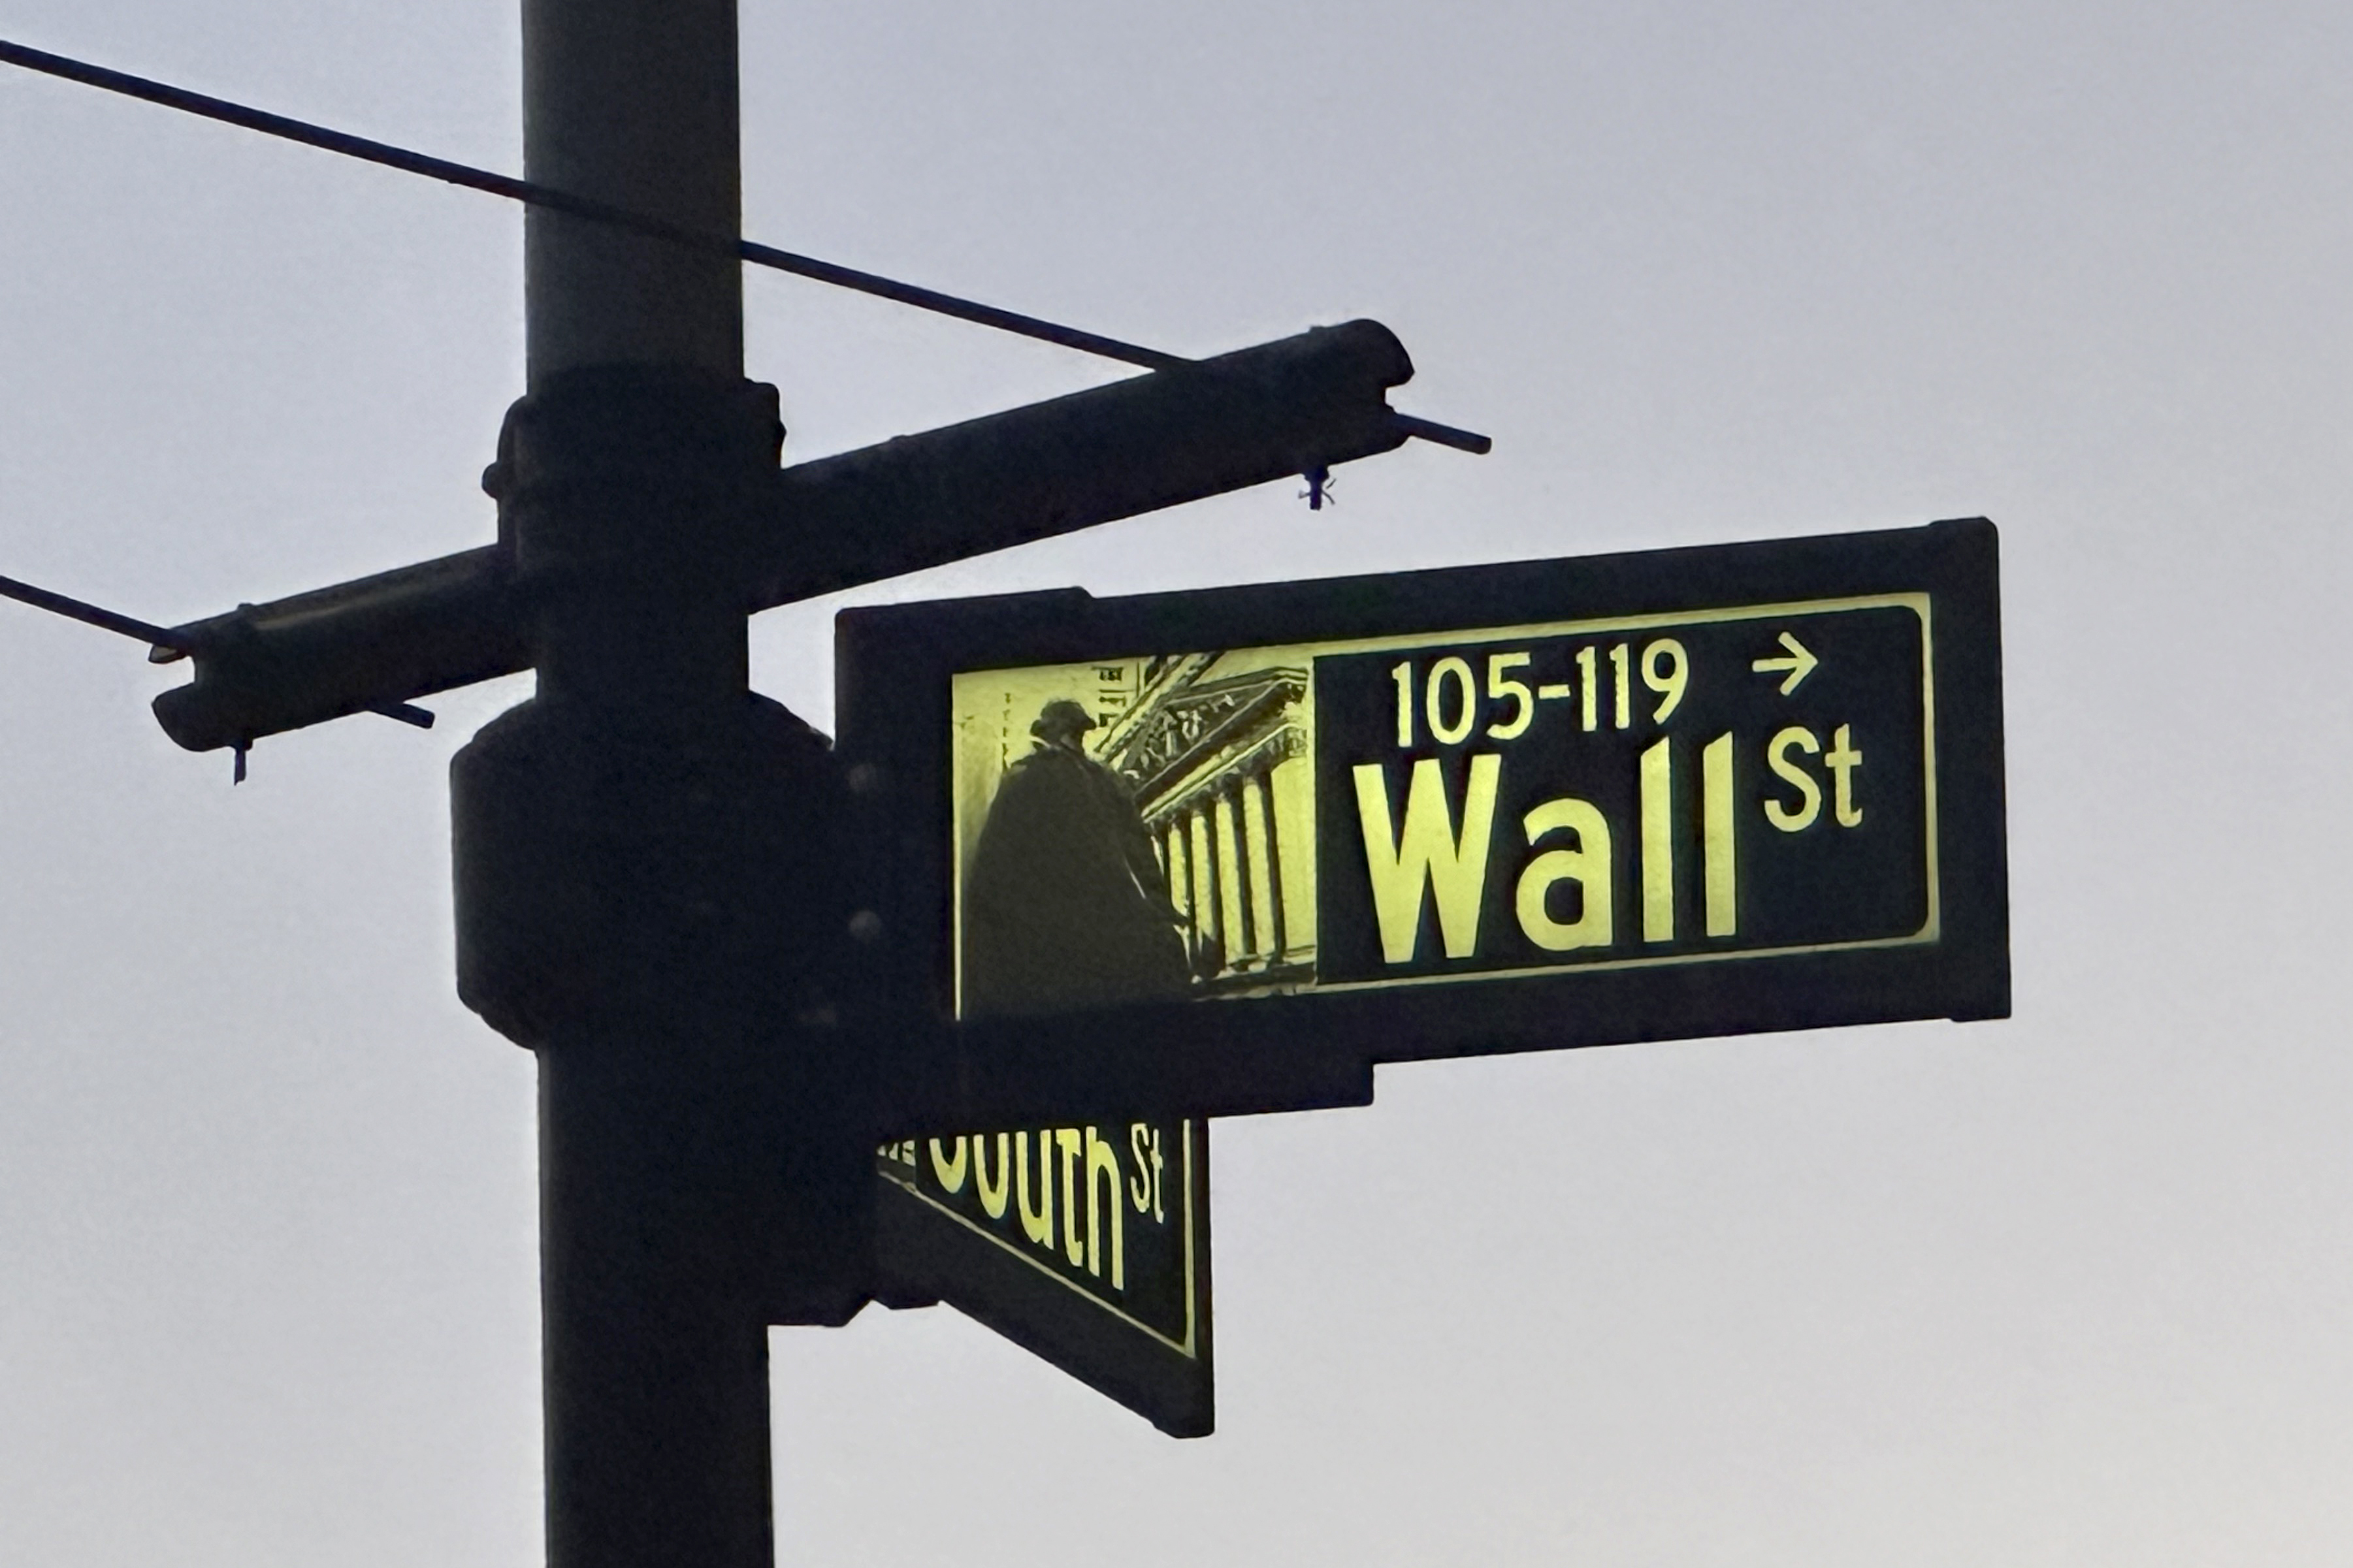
(1469, 441)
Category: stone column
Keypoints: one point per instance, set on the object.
(1266, 886)
(1233, 886)
(1207, 927)
(1291, 794)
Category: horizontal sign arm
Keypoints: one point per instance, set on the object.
(1177, 434)
(1194, 430)
(262, 670)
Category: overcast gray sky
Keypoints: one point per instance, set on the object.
(2070, 1289)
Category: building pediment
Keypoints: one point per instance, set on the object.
(1188, 722)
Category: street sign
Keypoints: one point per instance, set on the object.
(1227, 850)
(1193, 841)
(1564, 803)
(1298, 406)
(1089, 1245)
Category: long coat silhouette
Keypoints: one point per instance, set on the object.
(1067, 906)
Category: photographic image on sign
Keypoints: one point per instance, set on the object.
(1729, 783)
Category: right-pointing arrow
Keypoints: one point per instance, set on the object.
(1800, 663)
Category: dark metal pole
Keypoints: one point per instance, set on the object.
(633, 103)
(644, 852)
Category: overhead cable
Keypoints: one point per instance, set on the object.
(350, 146)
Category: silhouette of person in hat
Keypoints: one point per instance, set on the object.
(1067, 906)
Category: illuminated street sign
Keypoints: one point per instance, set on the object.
(1754, 777)
(1677, 788)
(1623, 791)
(1244, 840)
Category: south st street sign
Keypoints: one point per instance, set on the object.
(1088, 1244)
(1563, 803)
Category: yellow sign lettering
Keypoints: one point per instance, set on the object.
(1068, 1143)
(1037, 1223)
(1843, 760)
(992, 1197)
(1658, 791)
(1587, 865)
(1104, 1181)
(1139, 1185)
(1715, 837)
(1427, 854)
(1809, 793)
(949, 1171)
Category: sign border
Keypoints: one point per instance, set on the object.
(892, 673)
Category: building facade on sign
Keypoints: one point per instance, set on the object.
(1218, 751)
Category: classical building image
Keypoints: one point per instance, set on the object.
(1217, 747)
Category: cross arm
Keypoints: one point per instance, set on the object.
(387, 638)
(1177, 435)
(1184, 432)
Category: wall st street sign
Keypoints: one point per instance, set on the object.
(1679, 792)
(1673, 789)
